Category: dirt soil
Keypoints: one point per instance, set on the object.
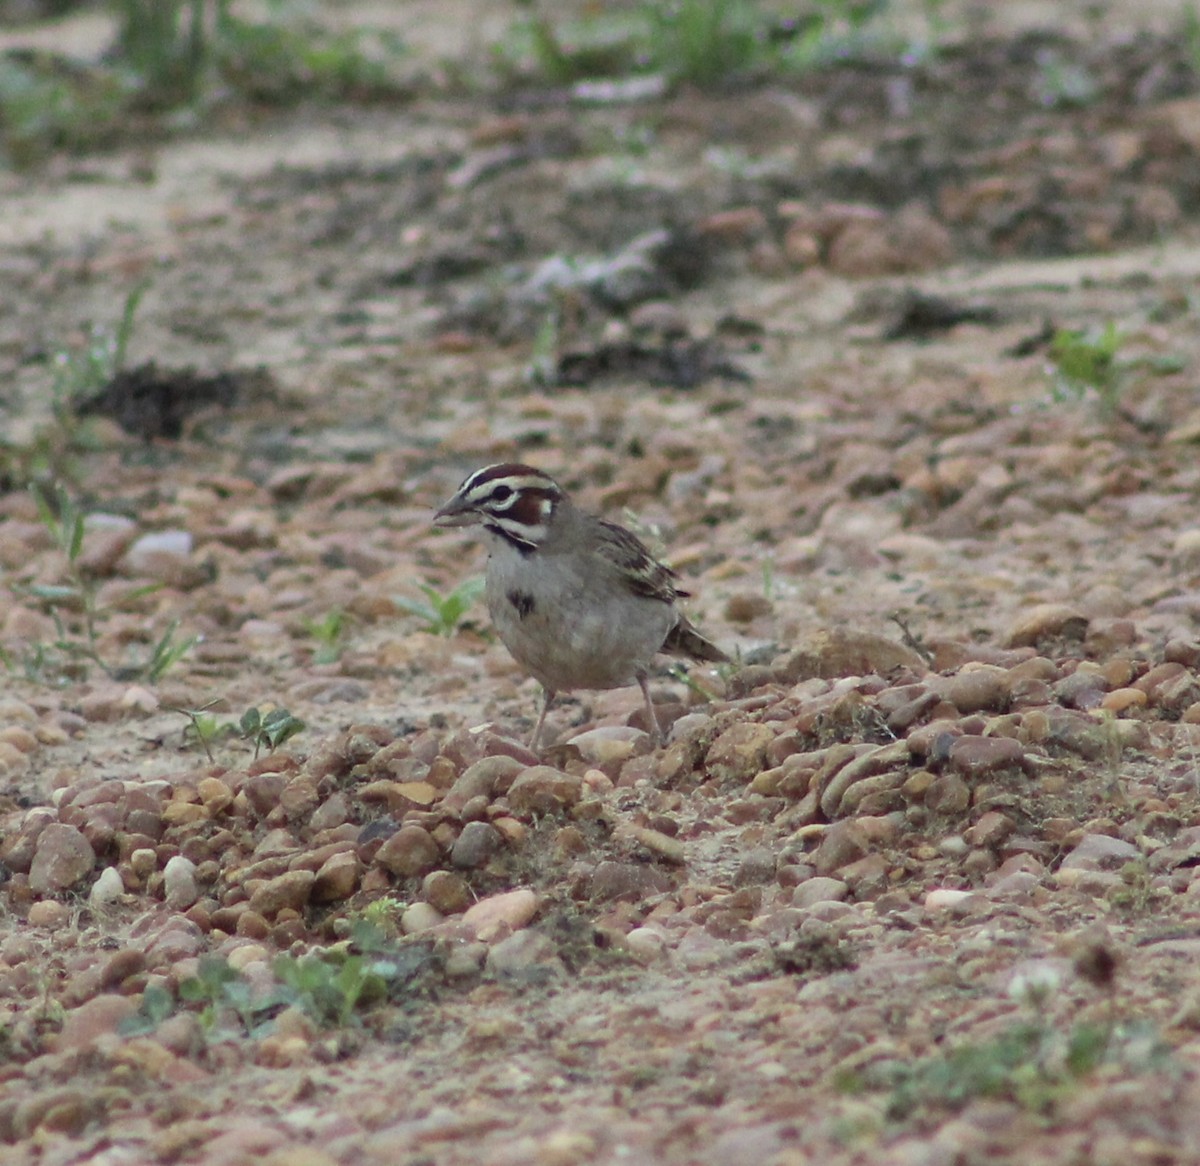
(911, 882)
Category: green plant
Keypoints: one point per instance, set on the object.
(443, 613)
(157, 1004)
(706, 41)
(377, 923)
(165, 44)
(1085, 363)
(203, 727)
(221, 990)
(329, 631)
(72, 604)
(271, 730)
(330, 986)
(1032, 1062)
(1062, 83)
(48, 103)
(179, 55)
(77, 374)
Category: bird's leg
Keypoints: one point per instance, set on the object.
(651, 717)
(534, 741)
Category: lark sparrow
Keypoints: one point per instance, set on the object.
(577, 600)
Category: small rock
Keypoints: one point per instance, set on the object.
(63, 857)
(486, 778)
(49, 913)
(978, 688)
(645, 944)
(977, 757)
(290, 889)
(420, 917)
(610, 745)
(411, 851)
(542, 789)
(842, 843)
(525, 955)
(337, 878)
(179, 882)
(948, 899)
(1100, 852)
(107, 889)
(948, 794)
(96, 1018)
(161, 555)
(1044, 622)
(836, 652)
(446, 891)
(626, 881)
(991, 830)
(500, 915)
(1121, 700)
(655, 841)
(740, 752)
(819, 889)
(475, 845)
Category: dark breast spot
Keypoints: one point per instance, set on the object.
(522, 601)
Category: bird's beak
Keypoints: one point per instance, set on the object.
(456, 513)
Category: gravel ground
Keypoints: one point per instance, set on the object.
(910, 883)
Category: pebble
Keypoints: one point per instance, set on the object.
(409, 852)
(446, 891)
(610, 745)
(288, 890)
(740, 752)
(947, 899)
(646, 944)
(820, 889)
(179, 883)
(1100, 852)
(500, 915)
(976, 757)
(107, 889)
(337, 878)
(541, 789)
(420, 917)
(1046, 621)
(524, 955)
(161, 555)
(49, 913)
(62, 858)
(475, 845)
(842, 843)
(95, 1018)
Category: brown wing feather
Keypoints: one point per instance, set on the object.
(644, 574)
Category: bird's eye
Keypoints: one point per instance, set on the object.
(502, 493)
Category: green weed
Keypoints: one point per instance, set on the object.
(172, 56)
(49, 104)
(269, 731)
(706, 42)
(329, 631)
(1033, 1063)
(1085, 364)
(203, 727)
(77, 375)
(330, 987)
(443, 613)
(72, 605)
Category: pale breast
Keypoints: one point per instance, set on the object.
(571, 625)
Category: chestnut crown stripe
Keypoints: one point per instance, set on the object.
(515, 500)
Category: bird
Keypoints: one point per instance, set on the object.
(578, 601)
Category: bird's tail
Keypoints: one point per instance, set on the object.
(684, 640)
